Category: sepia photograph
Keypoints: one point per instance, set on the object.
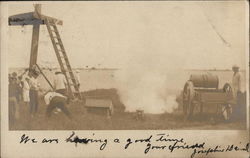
(116, 79)
(127, 66)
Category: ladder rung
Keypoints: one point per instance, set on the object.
(52, 24)
(54, 30)
(68, 71)
(55, 37)
(72, 84)
(65, 64)
(58, 43)
(61, 50)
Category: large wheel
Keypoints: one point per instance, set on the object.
(188, 96)
(227, 108)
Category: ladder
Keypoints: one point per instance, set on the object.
(63, 60)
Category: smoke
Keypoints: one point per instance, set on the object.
(150, 85)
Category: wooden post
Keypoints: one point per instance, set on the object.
(34, 45)
(35, 38)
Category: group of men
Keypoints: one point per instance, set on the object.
(25, 88)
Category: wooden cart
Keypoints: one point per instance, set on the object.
(201, 90)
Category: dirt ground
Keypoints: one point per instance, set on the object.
(120, 120)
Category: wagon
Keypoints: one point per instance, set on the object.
(202, 90)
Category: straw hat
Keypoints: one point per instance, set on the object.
(235, 66)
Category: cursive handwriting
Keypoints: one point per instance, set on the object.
(219, 149)
(75, 139)
(26, 139)
(156, 142)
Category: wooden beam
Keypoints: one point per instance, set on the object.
(31, 18)
(38, 8)
(34, 45)
(43, 17)
(24, 19)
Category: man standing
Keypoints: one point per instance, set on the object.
(26, 91)
(60, 83)
(13, 105)
(56, 100)
(227, 111)
(34, 87)
(20, 87)
(236, 81)
(16, 82)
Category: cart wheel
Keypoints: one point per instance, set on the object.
(188, 95)
(227, 88)
(227, 108)
(227, 112)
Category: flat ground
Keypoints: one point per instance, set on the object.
(83, 120)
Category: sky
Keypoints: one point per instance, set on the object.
(186, 35)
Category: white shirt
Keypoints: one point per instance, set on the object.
(34, 83)
(49, 96)
(26, 85)
(60, 81)
(236, 82)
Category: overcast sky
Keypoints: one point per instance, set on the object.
(189, 35)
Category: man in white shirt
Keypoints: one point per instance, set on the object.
(26, 90)
(227, 111)
(236, 81)
(60, 83)
(56, 100)
(34, 87)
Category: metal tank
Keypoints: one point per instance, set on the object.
(205, 80)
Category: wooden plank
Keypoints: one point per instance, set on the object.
(24, 19)
(34, 45)
(215, 97)
(56, 21)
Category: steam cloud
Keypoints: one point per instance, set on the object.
(150, 85)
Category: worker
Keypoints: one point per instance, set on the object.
(26, 90)
(34, 87)
(14, 75)
(56, 100)
(13, 105)
(227, 110)
(15, 81)
(20, 87)
(236, 81)
(60, 83)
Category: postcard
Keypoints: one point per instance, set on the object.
(124, 79)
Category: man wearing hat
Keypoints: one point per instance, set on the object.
(236, 81)
(26, 90)
(60, 83)
(33, 93)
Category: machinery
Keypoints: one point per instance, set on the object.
(202, 90)
(36, 19)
